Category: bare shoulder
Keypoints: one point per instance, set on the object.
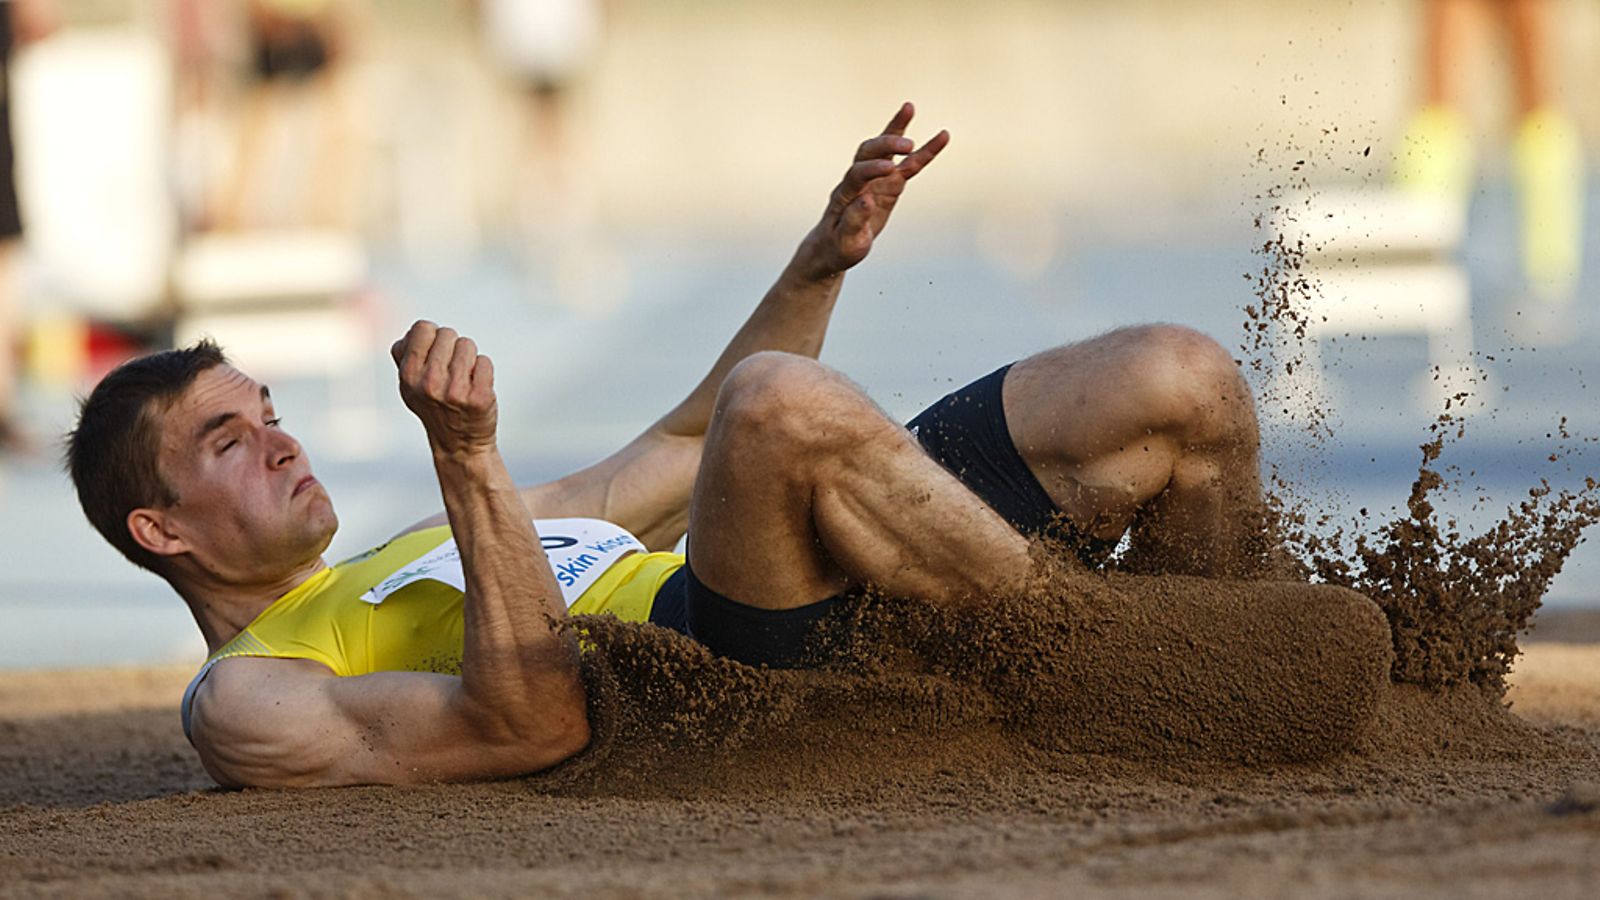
(242, 687)
(250, 715)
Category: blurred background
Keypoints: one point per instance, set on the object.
(600, 191)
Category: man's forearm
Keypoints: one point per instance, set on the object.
(515, 650)
(793, 317)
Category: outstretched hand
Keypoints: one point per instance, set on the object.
(449, 386)
(859, 207)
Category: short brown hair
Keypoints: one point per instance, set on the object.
(114, 453)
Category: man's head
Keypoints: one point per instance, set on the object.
(178, 455)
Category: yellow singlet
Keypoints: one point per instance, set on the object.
(417, 628)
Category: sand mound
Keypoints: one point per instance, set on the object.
(1147, 668)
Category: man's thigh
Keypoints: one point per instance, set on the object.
(1140, 421)
(752, 529)
(968, 433)
(759, 575)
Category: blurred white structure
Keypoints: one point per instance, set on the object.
(93, 119)
(91, 112)
(1347, 224)
(1378, 263)
(288, 305)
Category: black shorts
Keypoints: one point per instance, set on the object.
(966, 432)
(738, 631)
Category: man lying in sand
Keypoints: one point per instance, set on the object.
(443, 654)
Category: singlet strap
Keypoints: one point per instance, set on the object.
(188, 698)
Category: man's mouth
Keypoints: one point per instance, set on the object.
(304, 484)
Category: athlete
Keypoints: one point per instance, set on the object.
(445, 654)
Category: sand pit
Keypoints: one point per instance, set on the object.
(107, 800)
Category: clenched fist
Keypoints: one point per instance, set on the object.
(449, 385)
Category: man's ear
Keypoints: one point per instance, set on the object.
(150, 530)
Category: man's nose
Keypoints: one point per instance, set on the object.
(282, 448)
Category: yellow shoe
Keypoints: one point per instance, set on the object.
(1547, 163)
(1435, 155)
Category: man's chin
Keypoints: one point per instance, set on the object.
(330, 528)
(321, 524)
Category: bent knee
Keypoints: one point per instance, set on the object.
(769, 386)
(1189, 380)
(790, 400)
(1181, 349)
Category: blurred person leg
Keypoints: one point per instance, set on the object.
(21, 22)
(544, 46)
(196, 31)
(11, 434)
(333, 198)
(1435, 153)
(294, 48)
(13, 438)
(1547, 161)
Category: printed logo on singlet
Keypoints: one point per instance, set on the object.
(579, 550)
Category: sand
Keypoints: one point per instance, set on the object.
(1445, 794)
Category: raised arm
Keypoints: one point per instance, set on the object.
(519, 702)
(646, 486)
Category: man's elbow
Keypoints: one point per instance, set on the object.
(564, 728)
(572, 740)
(538, 740)
(526, 751)
(557, 736)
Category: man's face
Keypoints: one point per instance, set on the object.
(248, 508)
